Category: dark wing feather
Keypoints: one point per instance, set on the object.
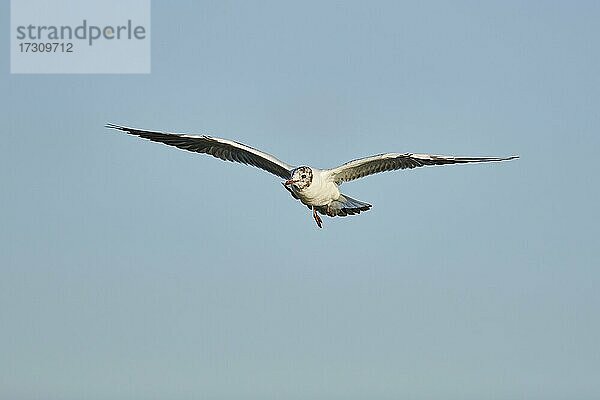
(224, 149)
(392, 161)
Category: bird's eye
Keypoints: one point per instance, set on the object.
(303, 176)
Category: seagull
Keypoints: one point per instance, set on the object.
(316, 188)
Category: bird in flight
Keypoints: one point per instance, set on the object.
(317, 188)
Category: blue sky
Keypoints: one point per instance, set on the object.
(133, 270)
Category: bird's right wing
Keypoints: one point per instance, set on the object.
(392, 161)
(221, 148)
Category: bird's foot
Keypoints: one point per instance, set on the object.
(318, 219)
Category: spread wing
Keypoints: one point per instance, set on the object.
(221, 148)
(392, 161)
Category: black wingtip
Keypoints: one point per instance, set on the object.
(115, 126)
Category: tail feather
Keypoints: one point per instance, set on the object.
(344, 205)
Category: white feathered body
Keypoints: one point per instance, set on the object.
(323, 194)
(321, 191)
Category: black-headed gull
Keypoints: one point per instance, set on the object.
(317, 188)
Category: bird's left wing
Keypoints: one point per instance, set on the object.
(392, 161)
(221, 148)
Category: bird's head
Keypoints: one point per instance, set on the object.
(301, 178)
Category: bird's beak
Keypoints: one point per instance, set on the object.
(289, 182)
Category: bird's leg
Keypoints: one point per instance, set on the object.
(318, 219)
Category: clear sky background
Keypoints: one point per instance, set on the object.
(129, 269)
